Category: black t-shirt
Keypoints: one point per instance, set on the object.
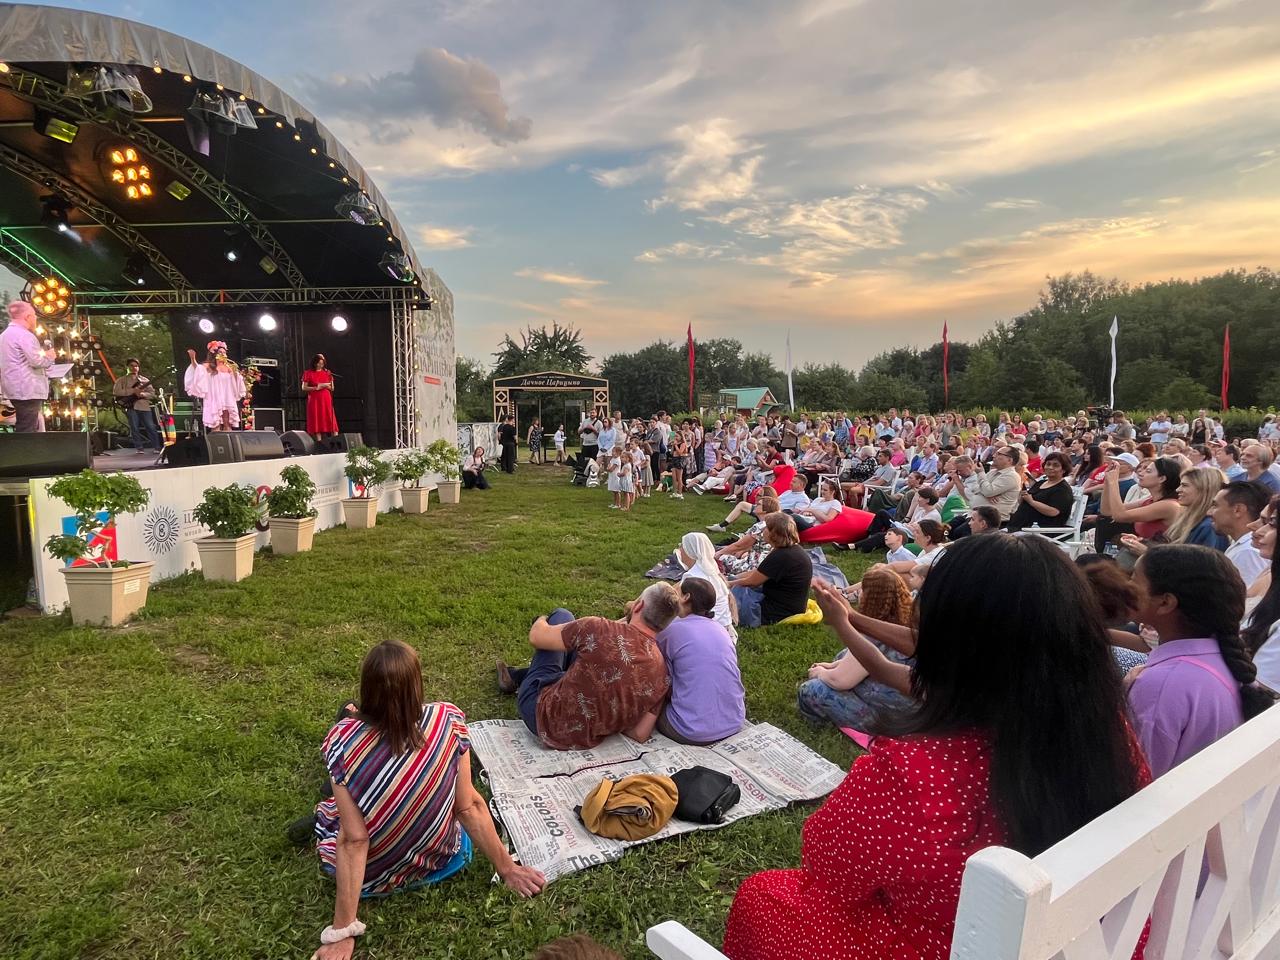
(1059, 495)
(506, 434)
(786, 591)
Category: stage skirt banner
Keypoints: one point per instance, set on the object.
(165, 532)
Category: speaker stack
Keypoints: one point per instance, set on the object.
(342, 442)
(298, 443)
(27, 455)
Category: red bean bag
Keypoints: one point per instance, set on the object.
(851, 525)
(781, 482)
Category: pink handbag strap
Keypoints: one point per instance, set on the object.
(1230, 684)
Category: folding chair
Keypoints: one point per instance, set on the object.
(1068, 537)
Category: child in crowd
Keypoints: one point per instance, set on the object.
(626, 473)
(615, 478)
(559, 442)
(639, 460)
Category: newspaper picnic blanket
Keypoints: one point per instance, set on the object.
(536, 789)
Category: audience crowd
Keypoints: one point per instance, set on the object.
(1132, 563)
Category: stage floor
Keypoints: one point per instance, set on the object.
(128, 461)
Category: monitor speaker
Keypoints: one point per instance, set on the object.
(259, 444)
(27, 455)
(342, 442)
(298, 443)
(222, 447)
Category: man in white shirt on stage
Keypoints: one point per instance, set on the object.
(24, 363)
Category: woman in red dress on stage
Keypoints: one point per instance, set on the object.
(317, 384)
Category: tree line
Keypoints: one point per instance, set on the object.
(1055, 356)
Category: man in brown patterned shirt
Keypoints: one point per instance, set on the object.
(594, 677)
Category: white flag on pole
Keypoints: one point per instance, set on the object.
(791, 391)
(1115, 328)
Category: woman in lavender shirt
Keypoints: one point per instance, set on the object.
(1199, 684)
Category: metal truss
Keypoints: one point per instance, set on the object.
(404, 369)
(21, 259)
(107, 300)
(54, 96)
(38, 173)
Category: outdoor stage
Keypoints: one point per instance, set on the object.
(144, 175)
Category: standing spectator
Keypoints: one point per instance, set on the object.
(534, 439)
(134, 393)
(607, 437)
(589, 434)
(507, 440)
(558, 440)
(1161, 429)
(23, 363)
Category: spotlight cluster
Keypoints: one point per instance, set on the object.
(50, 297)
(130, 172)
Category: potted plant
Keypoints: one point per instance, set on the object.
(445, 459)
(366, 470)
(102, 591)
(409, 469)
(292, 518)
(230, 514)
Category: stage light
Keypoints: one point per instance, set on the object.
(157, 68)
(205, 325)
(116, 86)
(236, 248)
(339, 323)
(396, 266)
(49, 296)
(268, 265)
(186, 78)
(56, 213)
(279, 124)
(55, 128)
(4, 68)
(178, 190)
(358, 208)
(298, 137)
(135, 268)
(127, 169)
(266, 322)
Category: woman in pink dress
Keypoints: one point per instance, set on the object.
(218, 383)
(317, 384)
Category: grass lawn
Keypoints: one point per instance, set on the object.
(149, 771)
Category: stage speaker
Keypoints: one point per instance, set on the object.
(269, 418)
(298, 443)
(342, 442)
(259, 444)
(27, 455)
(222, 447)
(189, 451)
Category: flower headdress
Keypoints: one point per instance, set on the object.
(217, 346)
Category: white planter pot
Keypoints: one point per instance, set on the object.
(450, 491)
(361, 512)
(290, 535)
(107, 596)
(227, 560)
(415, 499)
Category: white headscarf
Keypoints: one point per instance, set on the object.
(698, 547)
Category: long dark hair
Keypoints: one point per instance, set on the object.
(1210, 597)
(391, 694)
(1170, 472)
(1030, 666)
(1267, 612)
(1092, 461)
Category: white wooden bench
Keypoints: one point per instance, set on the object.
(1088, 897)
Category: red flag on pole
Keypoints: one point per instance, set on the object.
(1226, 364)
(946, 358)
(690, 366)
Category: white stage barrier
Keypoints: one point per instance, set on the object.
(165, 532)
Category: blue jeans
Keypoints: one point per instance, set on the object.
(749, 600)
(144, 422)
(854, 708)
(546, 668)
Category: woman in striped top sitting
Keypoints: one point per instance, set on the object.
(404, 812)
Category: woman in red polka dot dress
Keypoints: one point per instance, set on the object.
(1018, 738)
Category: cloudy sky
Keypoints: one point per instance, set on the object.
(856, 170)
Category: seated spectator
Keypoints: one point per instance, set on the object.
(473, 477)
(1198, 684)
(969, 764)
(1118, 598)
(1049, 500)
(697, 555)
(1235, 514)
(708, 702)
(1001, 487)
(579, 946)
(1262, 626)
(983, 520)
(1227, 458)
(1196, 492)
(924, 506)
(748, 550)
(403, 811)
(843, 691)
(1149, 518)
(744, 508)
(795, 498)
(865, 467)
(779, 587)
(826, 507)
(1256, 459)
(560, 694)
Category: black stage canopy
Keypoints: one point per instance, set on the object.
(268, 190)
